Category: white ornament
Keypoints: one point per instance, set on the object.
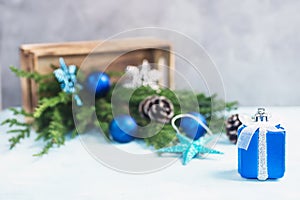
(142, 76)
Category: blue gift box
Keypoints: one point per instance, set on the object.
(248, 159)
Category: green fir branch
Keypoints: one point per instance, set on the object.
(51, 102)
(22, 131)
(45, 150)
(21, 134)
(57, 128)
(53, 117)
(22, 112)
(30, 75)
(13, 122)
(85, 118)
(54, 134)
(164, 137)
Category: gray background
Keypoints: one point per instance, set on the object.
(254, 43)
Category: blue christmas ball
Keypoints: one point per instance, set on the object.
(191, 127)
(98, 83)
(122, 128)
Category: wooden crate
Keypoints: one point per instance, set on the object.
(113, 55)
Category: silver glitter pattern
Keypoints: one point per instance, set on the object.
(262, 155)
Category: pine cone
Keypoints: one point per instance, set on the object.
(157, 108)
(232, 124)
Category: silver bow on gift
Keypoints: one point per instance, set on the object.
(263, 125)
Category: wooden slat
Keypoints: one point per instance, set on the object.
(79, 48)
(26, 83)
(172, 68)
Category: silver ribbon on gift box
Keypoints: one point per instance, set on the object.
(263, 124)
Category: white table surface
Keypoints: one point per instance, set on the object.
(70, 172)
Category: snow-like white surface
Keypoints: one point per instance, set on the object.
(71, 172)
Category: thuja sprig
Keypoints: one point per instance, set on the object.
(20, 128)
(55, 132)
(52, 118)
(51, 102)
(30, 75)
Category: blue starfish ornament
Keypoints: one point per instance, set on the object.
(189, 148)
(66, 76)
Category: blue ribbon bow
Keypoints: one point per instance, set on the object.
(66, 76)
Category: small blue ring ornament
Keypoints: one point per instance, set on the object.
(98, 83)
(191, 127)
(122, 128)
(190, 148)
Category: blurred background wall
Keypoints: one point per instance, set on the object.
(254, 43)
